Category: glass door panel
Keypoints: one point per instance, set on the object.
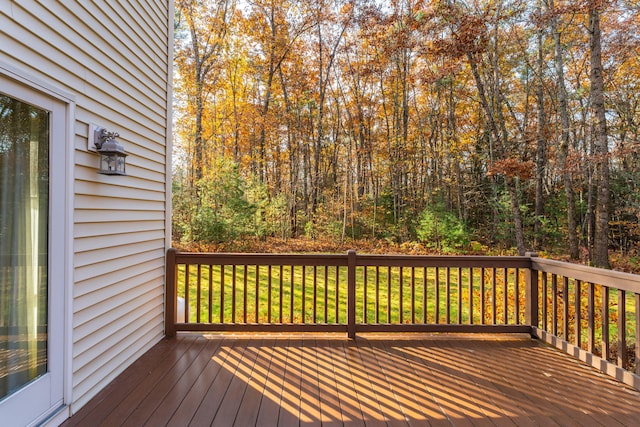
(24, 214)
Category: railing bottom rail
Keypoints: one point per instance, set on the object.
(359, 328)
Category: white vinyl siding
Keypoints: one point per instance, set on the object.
(114, 58)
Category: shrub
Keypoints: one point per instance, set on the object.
(441, 230)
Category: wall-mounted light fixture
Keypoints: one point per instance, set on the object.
(113, 159)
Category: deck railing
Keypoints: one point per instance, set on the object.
(590, 313)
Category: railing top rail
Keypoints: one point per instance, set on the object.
(610, 278)
(444, 261)
(478, 261)
(215, 258)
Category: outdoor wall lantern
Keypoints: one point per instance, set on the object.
(113, 159)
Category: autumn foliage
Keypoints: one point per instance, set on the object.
(356, 119)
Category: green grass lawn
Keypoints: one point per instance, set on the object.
(318, 295)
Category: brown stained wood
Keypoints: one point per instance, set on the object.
(545, 316)
(210, 293)
(176, 395)
(370, 398)
(311, 379)
(345, 384)
(605, 323)
(199, 293)
(622, 329)
(249, 406)
(193, 398)
(233, 397)
(153, 387)
(565, 308)
(212, 398)
(591, 316)
(636, 299)
(310, 408)
(330, 409)
(291, 398)
(459, 299)
(233, 293)
(577, 313)
(269, 292)
(482, 297)
(505, 296)
(494, 296)
(273, 385)
(162, 355)
(437, 295)
(222, 307)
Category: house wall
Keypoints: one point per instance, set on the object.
(114, 57)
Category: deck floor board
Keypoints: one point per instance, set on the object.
(375, 380)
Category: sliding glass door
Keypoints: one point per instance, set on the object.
(24, 198)
(30, 344)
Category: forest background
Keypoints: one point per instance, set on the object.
(416, 126)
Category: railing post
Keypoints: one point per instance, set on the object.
(531, 310)
(351, 294)
(170, 294)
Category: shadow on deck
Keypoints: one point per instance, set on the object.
(375, 380)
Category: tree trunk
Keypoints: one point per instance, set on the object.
(541, 144)
(565, 136)
(601, 244)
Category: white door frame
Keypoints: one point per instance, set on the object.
(54, 389)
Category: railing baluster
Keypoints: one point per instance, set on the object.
(459, 279)
(291, 295)
(482, 298)
(605, 322)
(545, 314)
(245, 284)
(315, 294)
(448, 296)
(326, 293)
(364, 295)
(637, 301)
(269, 290)
(304, 293)
(351, 294)
(471, 296)
(233, 294)
(281, 290)
(388, 294)
(210, 293)
(377, 285)
(187, 286)
(400, 296)
(516, 296)
(505, 296)
(554, 304)
(622, 329)
(337, 295)
(198, 293)
(437, 301)
(591, 317)
(257, 306)
(494, 295)
(565, 308)
(413, 295)
(424, 294)
(577, 340)
(222, 294)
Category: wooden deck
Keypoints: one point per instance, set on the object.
(328, 380)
